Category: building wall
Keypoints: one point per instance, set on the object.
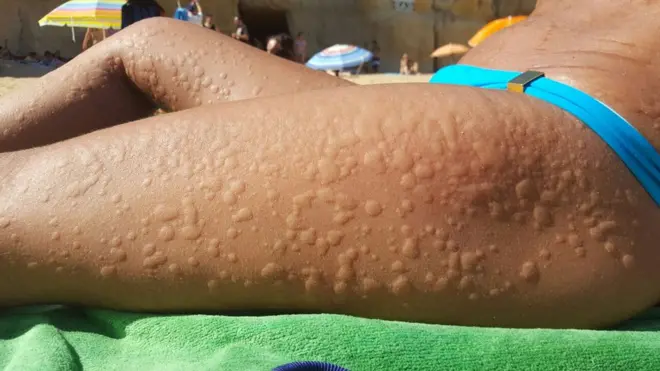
(431, 23)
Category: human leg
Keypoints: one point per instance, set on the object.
(370, 209)
(423, 203)
(155, 63)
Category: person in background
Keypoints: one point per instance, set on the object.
(93, 36)
(5, 53)
(109, 32)
(180, 13)
(375, 60)
(241, 32)
(273, 46)
(414, 68)
(50, 60)
(47, 59)
(57, 55)
(300, 48)
(195, 13)
(404, 65)
(281, 45)
(31, 57)
(137, 10)
(208, 22)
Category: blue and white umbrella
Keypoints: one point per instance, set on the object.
(339, 57)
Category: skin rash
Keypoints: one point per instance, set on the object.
(411, 202)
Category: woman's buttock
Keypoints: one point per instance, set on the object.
(534, 208)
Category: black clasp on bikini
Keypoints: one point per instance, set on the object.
(520, 82)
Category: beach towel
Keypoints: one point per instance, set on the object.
(61, 338)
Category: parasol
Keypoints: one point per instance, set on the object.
(103, 14)
(339, 57)
(449, 50)
(493, 27)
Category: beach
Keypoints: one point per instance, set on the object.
(14, 75)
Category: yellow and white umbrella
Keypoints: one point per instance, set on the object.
(86, 13)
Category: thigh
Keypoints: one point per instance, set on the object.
(456, 206)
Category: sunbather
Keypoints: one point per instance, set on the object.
(277, 187)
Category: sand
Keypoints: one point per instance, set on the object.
(14, 75)
(384, 78)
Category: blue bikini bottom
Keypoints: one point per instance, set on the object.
(633, 149)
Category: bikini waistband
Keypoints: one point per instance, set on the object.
(633, 149)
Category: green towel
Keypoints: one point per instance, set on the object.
(68, 339)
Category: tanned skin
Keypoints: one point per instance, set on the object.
(268, 186)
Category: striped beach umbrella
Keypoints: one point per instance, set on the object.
(86, 13)
(339, 57)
